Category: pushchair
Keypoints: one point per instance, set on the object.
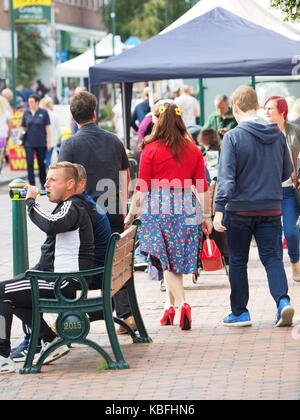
(220, 238)
(133, 170)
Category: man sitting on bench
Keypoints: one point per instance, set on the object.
(101, 227)
(69, 247)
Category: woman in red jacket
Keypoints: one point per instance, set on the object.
(172, 199)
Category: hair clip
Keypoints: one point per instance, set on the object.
(178, 112)
(162, 109)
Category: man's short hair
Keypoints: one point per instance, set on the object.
(81, 172)
(221, 97)
(70, 169)
(35, 97)
(245, 98)
(185, 89)
(83, 106)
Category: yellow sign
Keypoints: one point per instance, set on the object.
(25, 3)
(17, 154)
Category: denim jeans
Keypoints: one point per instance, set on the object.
(48, 158)
(40, 154)
(290, 214)
(266, 230)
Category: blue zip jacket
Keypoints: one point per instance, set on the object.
(102, 232)
(254, 162)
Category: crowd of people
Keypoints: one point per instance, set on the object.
(39, 131)
(255, 194)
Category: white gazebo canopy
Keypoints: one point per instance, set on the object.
(256, 11)
(79, 66)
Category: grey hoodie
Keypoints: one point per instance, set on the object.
(253, 164)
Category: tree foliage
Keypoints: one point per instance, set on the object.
(30, 53)
(291, 8)
(145, 18)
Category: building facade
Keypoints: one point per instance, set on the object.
(75, 26)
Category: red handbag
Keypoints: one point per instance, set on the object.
(211, 256)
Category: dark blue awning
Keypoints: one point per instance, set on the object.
(216, 44)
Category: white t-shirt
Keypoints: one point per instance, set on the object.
(4, 118)
(190, 108)
(118, 120)
(54, 126)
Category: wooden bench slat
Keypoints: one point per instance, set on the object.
(124, 250)
(118, 282)
(126, 236)
(122, 265)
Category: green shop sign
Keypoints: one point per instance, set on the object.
(32, 11)
(72, 41)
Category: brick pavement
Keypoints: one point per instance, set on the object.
(207, 362)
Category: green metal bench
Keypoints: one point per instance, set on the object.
(73, 323)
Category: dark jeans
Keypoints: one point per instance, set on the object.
(290, 214)
(121, 298)
(40, 154)
(266, 230)
(48, 158)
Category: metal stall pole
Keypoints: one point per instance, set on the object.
(126, 91)
(201, 102)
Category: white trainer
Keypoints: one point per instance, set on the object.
(7, 365)
(55, 355)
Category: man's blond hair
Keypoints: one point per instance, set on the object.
(81, 172)
(245, 98)
(70, 169)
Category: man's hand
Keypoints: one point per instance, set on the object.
(223, 131)
(32, 191)
(128, 220)
(218, 222)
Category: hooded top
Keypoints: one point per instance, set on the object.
(254, 162)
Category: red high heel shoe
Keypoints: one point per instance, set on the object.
(168, 316)
(185, 317)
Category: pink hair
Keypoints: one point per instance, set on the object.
(281, 104)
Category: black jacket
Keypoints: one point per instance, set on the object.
(70, 240)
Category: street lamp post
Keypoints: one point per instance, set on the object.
(13, 61)
(166, 14)
(113, 24)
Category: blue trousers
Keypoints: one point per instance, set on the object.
(40, 154)
(266, 230)
(290, 214)
(48, 158)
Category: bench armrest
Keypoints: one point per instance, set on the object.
(51, 274)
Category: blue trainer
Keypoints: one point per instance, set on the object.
(285, 313)
(242, 320)
(19, 353)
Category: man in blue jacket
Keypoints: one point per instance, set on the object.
(254, 162)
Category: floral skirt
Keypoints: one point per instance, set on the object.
(171, 230)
